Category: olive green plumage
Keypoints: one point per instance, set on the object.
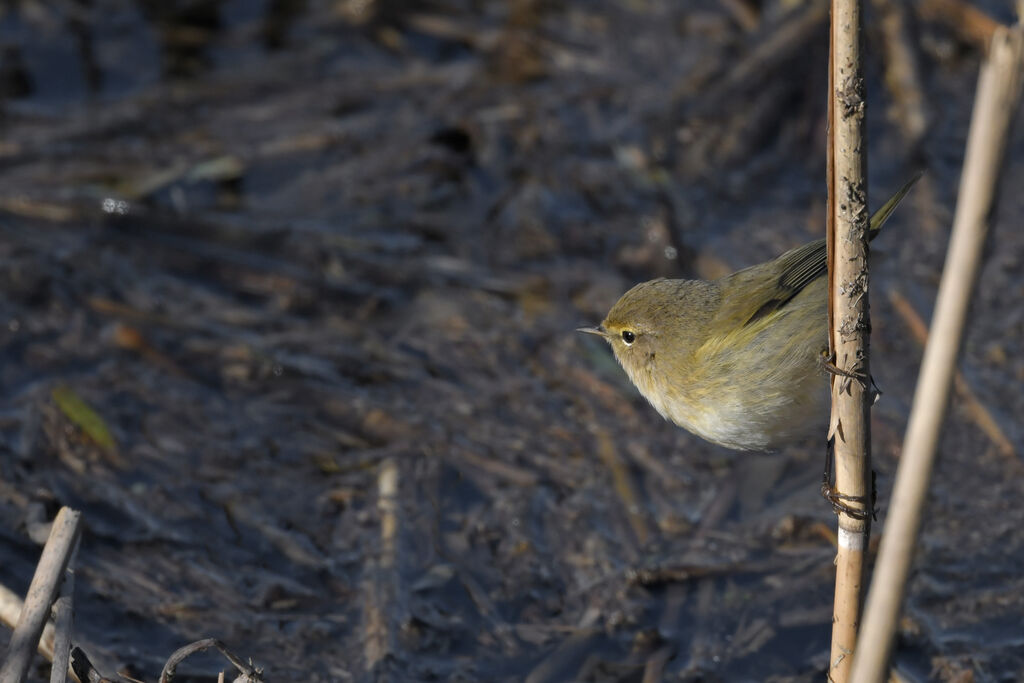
(737, 361)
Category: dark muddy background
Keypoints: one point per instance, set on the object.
(315, 266)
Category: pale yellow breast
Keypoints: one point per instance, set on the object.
(760, 387)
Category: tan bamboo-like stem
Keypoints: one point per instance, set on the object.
(11, 605)
(850, 327)
(994, 106)
(41, 593)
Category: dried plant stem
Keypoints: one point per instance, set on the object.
(64, 612)
(744, 13)
(41, 592)
(994, 107)
(848, 288)
(625, 490)
(969, 22)
(247, 672)
(902, 71)
(11, 605)
(381, 590)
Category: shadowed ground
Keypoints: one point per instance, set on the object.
(317, 268)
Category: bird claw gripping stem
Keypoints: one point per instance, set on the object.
(828, 362)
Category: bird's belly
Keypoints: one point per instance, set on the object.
(749, 416)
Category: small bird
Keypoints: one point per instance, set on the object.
(740, 361)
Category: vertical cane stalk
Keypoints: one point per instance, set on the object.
(850, 326)
(995, 105)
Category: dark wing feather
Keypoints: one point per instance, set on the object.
(797, 269)
(803, 265)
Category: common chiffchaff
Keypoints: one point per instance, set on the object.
(739, 361)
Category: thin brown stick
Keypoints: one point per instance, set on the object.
(969, 22)
(247, 672)
(41, 592)
(903, 71)
(11, 606)
(553, 667)
(654, 667)
(622, 481)
(994, 107)
(503, 470)
(830, 192)
(380, 592)
(64, 612)
(785, 41)
(744, 13)
(850, 424)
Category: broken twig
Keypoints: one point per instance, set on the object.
(41, 593)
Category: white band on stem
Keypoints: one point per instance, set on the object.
(851, 540)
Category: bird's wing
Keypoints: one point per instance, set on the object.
(787, 277)
(799, 267)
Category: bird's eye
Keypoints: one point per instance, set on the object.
(628, 337)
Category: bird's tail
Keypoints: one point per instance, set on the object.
(878, 218)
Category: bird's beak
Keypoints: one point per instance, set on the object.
(599, 331)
